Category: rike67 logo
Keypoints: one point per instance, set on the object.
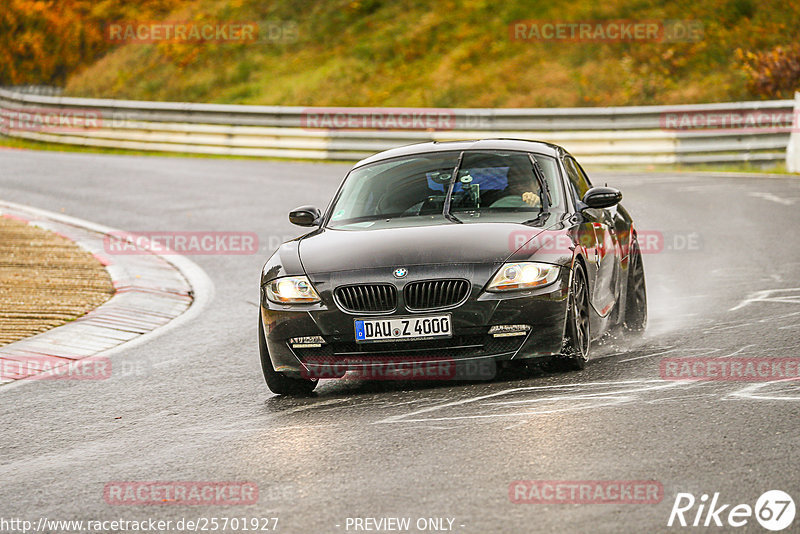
(774, 510)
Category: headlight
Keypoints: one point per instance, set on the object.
(292, 290)
(523, 275)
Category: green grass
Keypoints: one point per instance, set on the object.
(24, 144)
(446, 54)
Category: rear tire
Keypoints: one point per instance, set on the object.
(635, 320)
(575, 351)
(278, 382)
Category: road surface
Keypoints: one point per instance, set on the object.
(191, 405)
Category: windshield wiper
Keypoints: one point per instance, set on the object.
(452, 218)
(541, 217)
(537, 170)
(448, 199)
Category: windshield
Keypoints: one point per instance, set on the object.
(421, 190)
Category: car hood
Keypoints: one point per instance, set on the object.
(328, 250)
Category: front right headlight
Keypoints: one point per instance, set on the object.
(292, 290)
(523, 275)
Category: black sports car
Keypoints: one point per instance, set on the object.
(496, 250)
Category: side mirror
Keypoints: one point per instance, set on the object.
(602, 197)
(305, 216)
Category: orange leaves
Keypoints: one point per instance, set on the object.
(44, 41)
(774, 73)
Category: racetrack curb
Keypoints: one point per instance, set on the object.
(154, 293)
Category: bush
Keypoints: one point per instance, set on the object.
(774, 73)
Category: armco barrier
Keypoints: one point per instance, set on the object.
(637, 135)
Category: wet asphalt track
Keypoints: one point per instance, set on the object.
(191, 404)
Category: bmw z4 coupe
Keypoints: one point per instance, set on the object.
(495, 250)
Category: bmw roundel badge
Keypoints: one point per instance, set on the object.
(400, 272)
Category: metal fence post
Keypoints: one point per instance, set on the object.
(793, 148)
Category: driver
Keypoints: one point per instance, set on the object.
(521, 191)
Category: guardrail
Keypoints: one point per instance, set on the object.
(638, 135)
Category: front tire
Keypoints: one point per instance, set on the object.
(278, 382)
(575, 352)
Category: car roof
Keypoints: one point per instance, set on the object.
(539, 147)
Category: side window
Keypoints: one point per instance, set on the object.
(583, 173)
(577, 178)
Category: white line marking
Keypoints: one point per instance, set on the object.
(721, 328)
(749, 392)
(737, 352)
(768, 295)
(305, 407)
(609, 398)
(395, 418)
(391, 405)
(648, 355)
(773, 198)
(588, 396)
(778, 317)
(705, 350)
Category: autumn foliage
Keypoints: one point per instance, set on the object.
(448, 53)
(45, 41)
(774, 73)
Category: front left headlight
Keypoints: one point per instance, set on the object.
(523, 275)
(292, 290)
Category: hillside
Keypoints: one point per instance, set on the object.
(450, 54)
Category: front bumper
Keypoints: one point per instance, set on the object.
(543, 309)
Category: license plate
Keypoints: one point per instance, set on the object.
(406, 328)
